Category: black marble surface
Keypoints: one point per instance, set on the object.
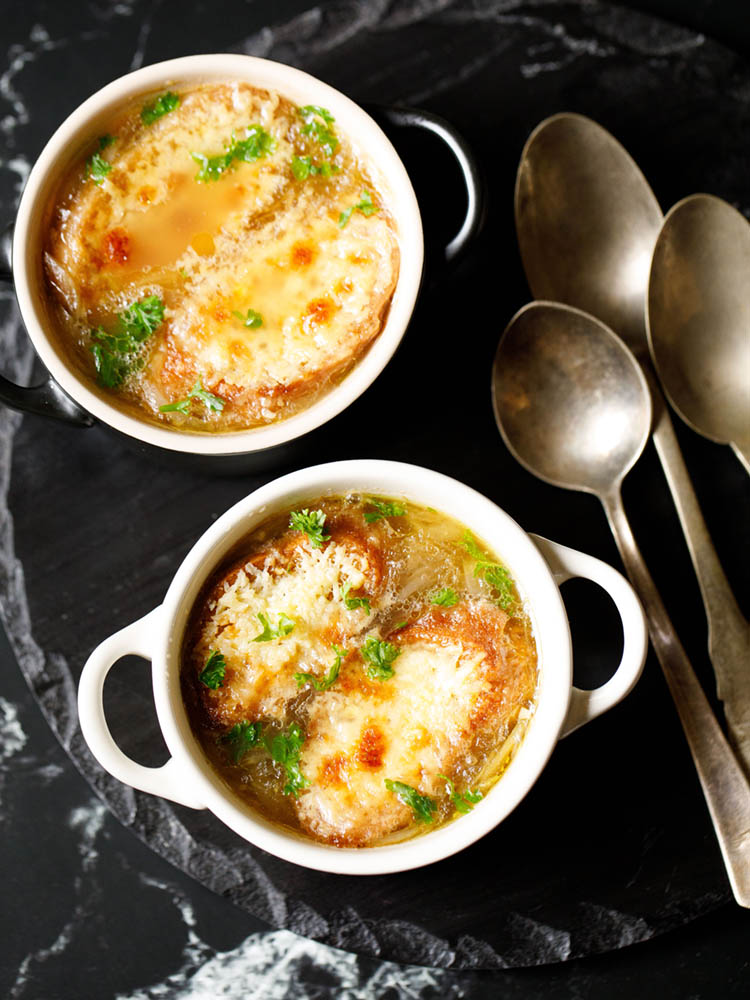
(632, 852)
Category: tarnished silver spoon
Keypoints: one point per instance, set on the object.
(699, 318)
(587, 223)
(573, 407)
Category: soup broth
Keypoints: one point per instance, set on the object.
(361, 670)
(218, 258)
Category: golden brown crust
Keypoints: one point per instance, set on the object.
(234, 701)
(257, 238)
(480, 689)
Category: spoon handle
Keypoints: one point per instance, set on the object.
(742, 451)
(725, 786)
(728, 632)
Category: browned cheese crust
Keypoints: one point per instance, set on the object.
(256, 238)
(459, 677)
(293, 578)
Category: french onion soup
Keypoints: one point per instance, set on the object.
(218, 257)
(362, 669)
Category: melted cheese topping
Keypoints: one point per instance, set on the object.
(461, 675)
(255, 238)
(410, 728)
(306, 587)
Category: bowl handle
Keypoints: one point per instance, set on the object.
(169, 781)
(47, 399)
(566, 563)
(472, 176)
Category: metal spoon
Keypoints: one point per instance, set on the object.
(699, 318)
(587, 223)
(573, 407)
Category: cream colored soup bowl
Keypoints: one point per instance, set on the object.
(70, 397)
(539, 567)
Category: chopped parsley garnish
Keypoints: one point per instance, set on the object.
(311, 111)
(116, 353)
(256, 144)
(163, 104)
(379, 656)
(214, 404)
(97, 168)
(242, 737)
(497, 576)
(140, 319)
(398, 626)
(252, 319)
(106, 140)
(283, 627)
(446, 597)
(353, 603)
(365, 205)
(422, 806)
(462, 802)
(383, 509)
(285, 748)
(311, 522)
(317, 126)
(322, 684)
(304, 167)
(212, 674)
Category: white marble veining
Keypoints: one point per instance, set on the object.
(267, 967)
(12, 739)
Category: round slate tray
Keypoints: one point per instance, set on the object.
(614, 844)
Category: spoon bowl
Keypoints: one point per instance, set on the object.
(570, 400)
(573, 406)
(587, 225)
(699, 318)
(587, 222)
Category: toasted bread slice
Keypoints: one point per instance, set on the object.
(456, 678)
(305, 584)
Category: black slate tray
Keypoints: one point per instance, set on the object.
(614, 844)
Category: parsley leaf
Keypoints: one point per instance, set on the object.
(497, 576)
(310, 111)
(111, 368)
(116, 353)
(98, 168)
(215, 404)
(304, 167)
(163, 104)
(324, 683)
(317, 126)
(256, 144)
(383, 509)
(252, 320)
(353, 603)
(282, 628)
(140, 319)
(365, 205)
(242, 737)
(398, 626)
(446, 597)
(379, 656)
(285, 748)
(212, 674)
(462, 803)
(311, 522)
(422, 806)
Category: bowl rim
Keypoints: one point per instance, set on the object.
(504, 537)
(361, 130)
